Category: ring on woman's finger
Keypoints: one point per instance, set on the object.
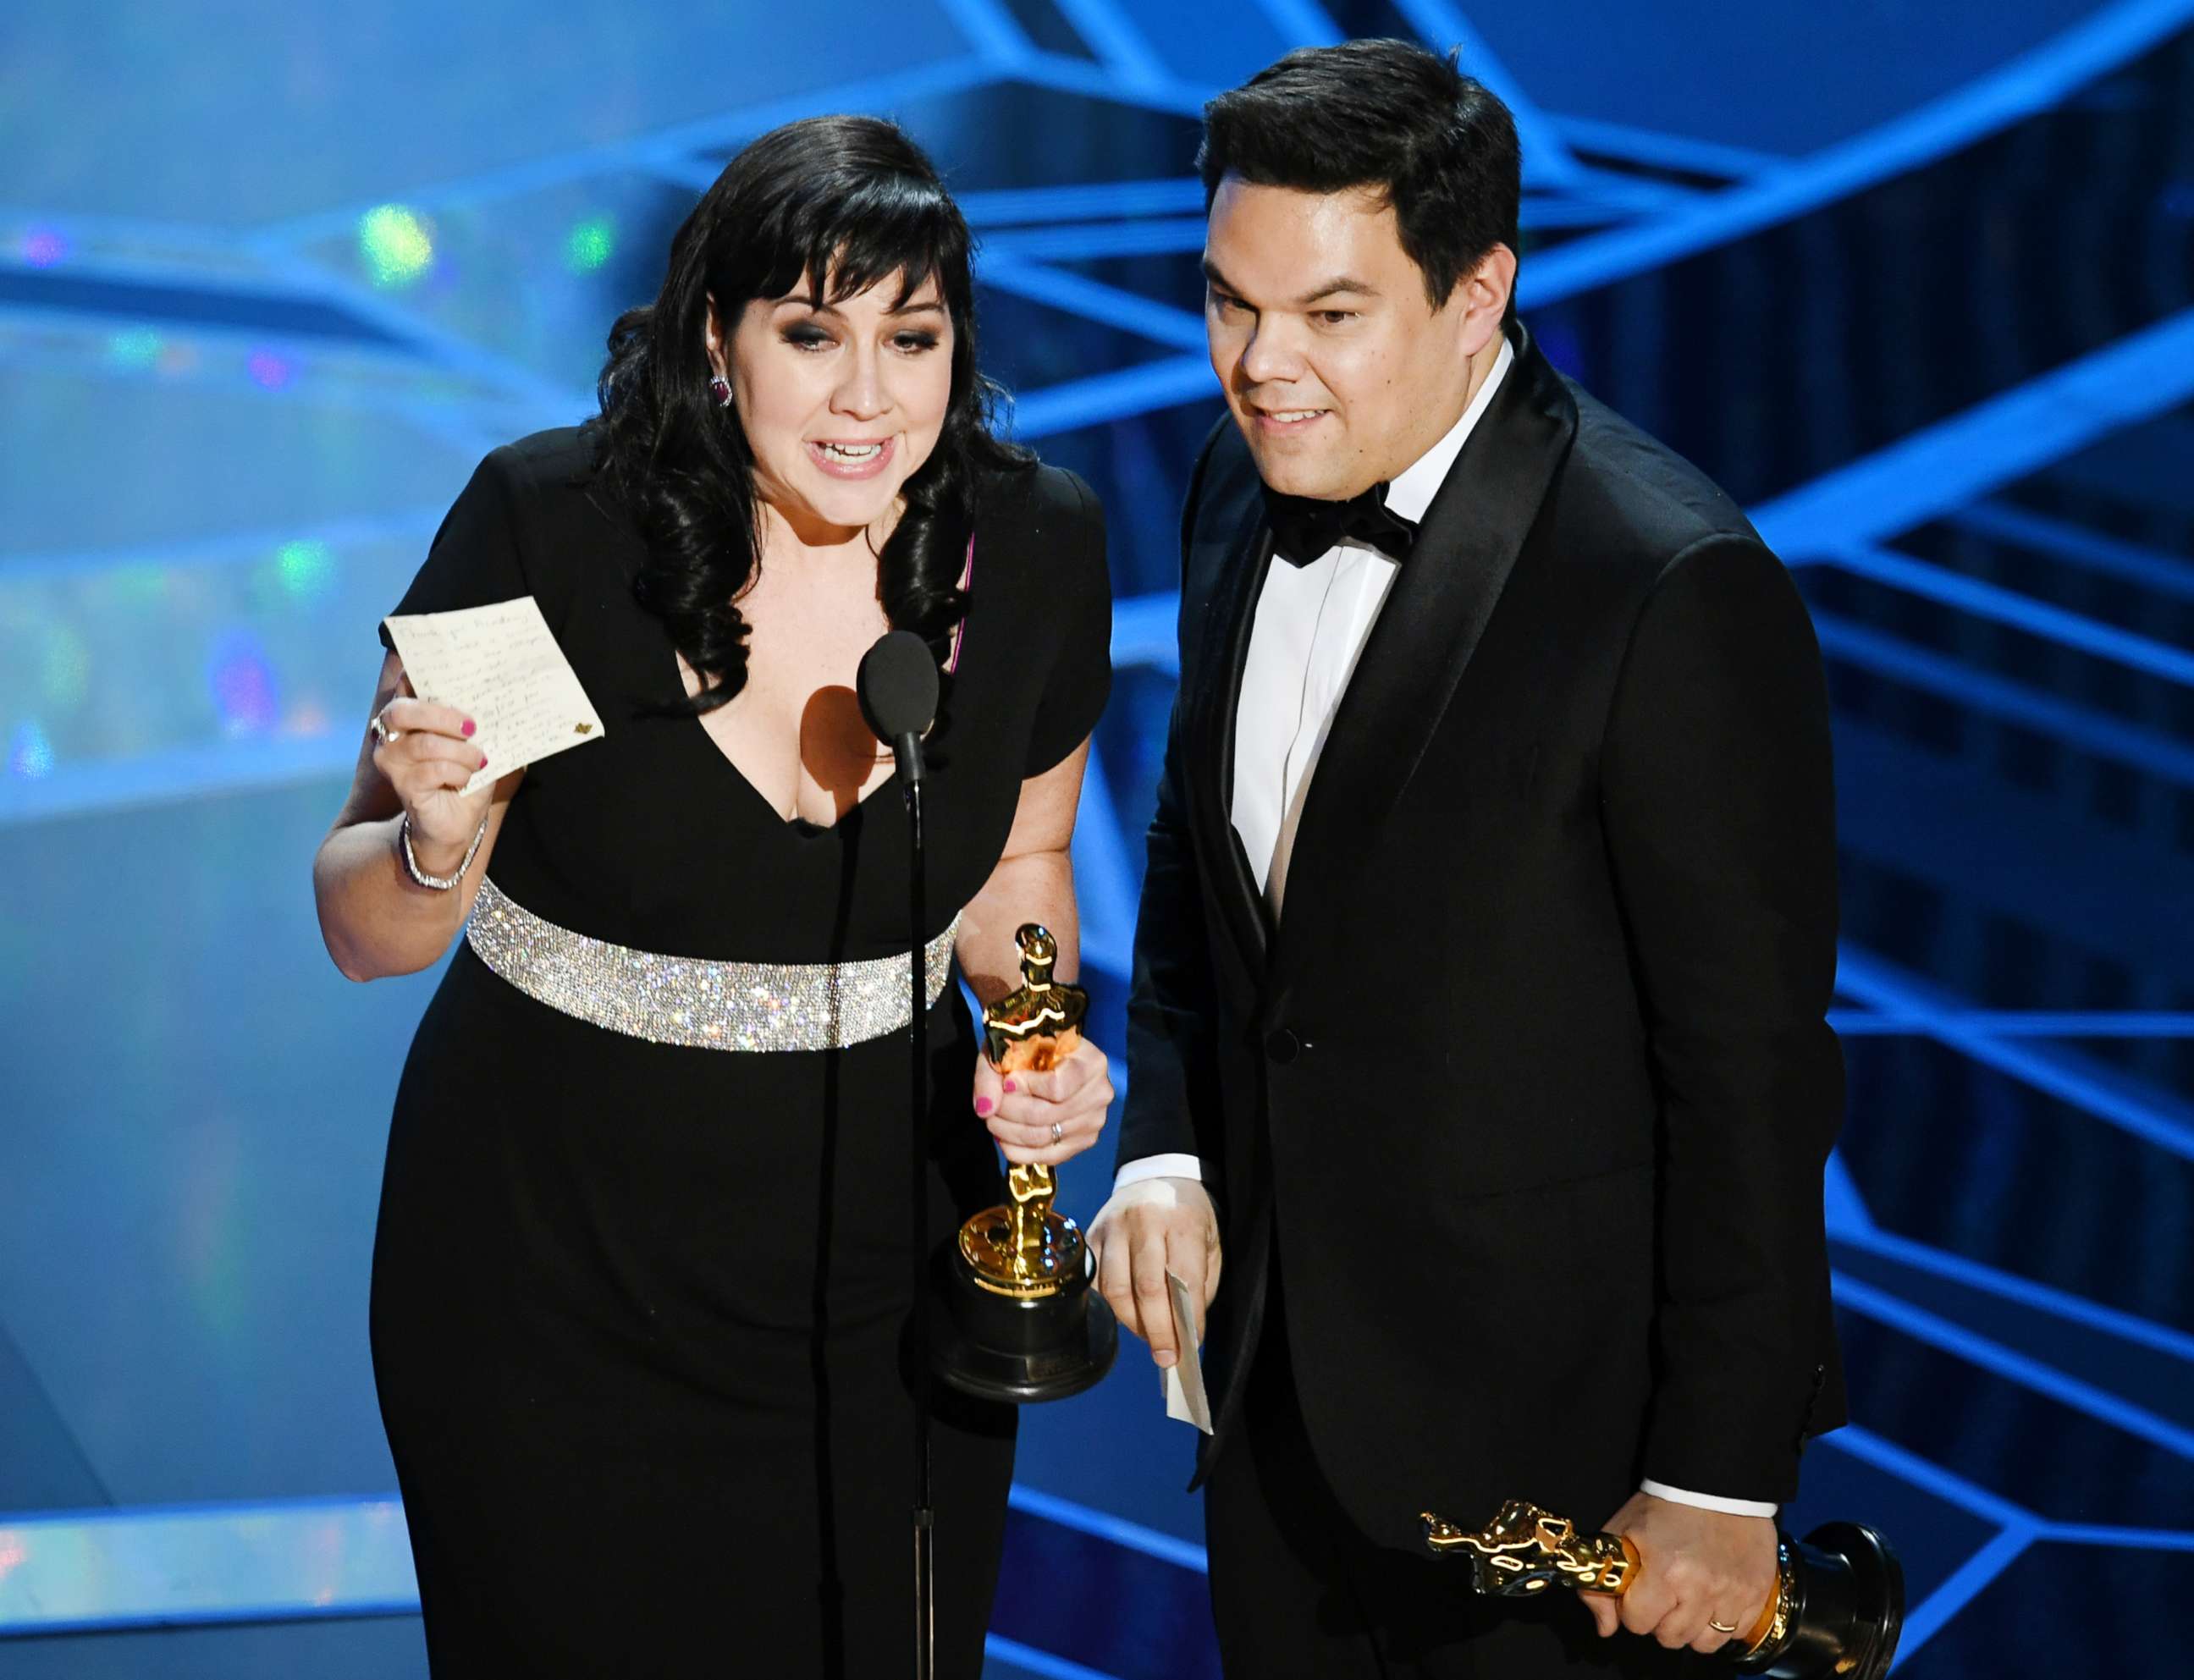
(382, 733)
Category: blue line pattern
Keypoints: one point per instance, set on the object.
(2003, 605)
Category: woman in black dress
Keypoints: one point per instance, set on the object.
(641, 1280)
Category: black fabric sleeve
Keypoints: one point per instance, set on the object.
(475, 559)
(1172, 1077)
(1173, 1080)
(1081, 680)
(1719, 812)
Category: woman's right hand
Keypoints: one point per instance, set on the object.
(425, 752)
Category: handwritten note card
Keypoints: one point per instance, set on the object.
(501, 666)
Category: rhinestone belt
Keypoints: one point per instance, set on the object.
(690, 1000)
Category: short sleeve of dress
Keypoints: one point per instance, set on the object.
(1081, 678)
(473, 560)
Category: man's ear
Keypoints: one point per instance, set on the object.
(1482, 294)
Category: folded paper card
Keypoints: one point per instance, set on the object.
(1185, 1397)
(500, 665)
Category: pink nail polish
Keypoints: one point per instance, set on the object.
(982, 1105)
(483, 763)
(1010, 1086)
(469, 727)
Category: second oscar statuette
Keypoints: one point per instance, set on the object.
(1837, 1608)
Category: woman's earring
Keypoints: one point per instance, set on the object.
(720, 389)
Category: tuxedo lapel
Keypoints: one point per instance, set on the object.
(1422, 642)
(1245, 552)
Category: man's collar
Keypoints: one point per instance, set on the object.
(1412, 490)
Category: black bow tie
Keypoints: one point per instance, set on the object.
(1304, 528)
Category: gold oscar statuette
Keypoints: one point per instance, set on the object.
(1021, 1321)
(1837, 1608)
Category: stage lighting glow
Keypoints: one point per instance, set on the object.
(135, 347)
(395, 245)
(29, 753)
(64, 672)
(206, 1195)
(268, 370)
(43, 247)
(590, 245)
(243, 684)
(309, 570)
(142, 585)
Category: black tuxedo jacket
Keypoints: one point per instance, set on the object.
(1529, 1094)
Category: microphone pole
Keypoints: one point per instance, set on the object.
(898, 686)
(925, 1511)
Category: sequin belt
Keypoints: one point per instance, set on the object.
(690, 1000)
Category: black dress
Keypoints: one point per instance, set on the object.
(637, 1307)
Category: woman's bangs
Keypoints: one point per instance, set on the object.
(906, 230)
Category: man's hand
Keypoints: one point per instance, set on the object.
(1154, 1226)
(1697, 1566)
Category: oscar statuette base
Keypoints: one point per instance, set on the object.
(1022, 1349)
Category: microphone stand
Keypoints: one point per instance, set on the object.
(909, 750)
(898, 686)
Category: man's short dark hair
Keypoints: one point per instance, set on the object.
(1385, 115)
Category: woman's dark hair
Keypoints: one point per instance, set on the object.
(845, 202)
(1387, 115)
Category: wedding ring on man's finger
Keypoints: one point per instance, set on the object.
(1057, 1132)
(1720, 1628)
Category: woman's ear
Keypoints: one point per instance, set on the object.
(713, 335)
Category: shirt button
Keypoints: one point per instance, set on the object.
(1283, 1045)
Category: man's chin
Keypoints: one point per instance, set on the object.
(1293, 473)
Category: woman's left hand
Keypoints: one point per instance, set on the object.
(1043, 1119)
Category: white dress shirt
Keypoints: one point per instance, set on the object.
(1311, 625)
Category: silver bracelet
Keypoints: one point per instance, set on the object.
(437, 882)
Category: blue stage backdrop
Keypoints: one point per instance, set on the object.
(1916, 281)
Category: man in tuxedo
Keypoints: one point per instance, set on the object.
(1486, 940)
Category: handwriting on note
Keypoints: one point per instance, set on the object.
(500, 665)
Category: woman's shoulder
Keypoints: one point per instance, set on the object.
(537, 520)
(1047, 527)
(1051, 581)
(551, 490)
(544, 465)
(1037, 500)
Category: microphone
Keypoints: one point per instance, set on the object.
(898, 688)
